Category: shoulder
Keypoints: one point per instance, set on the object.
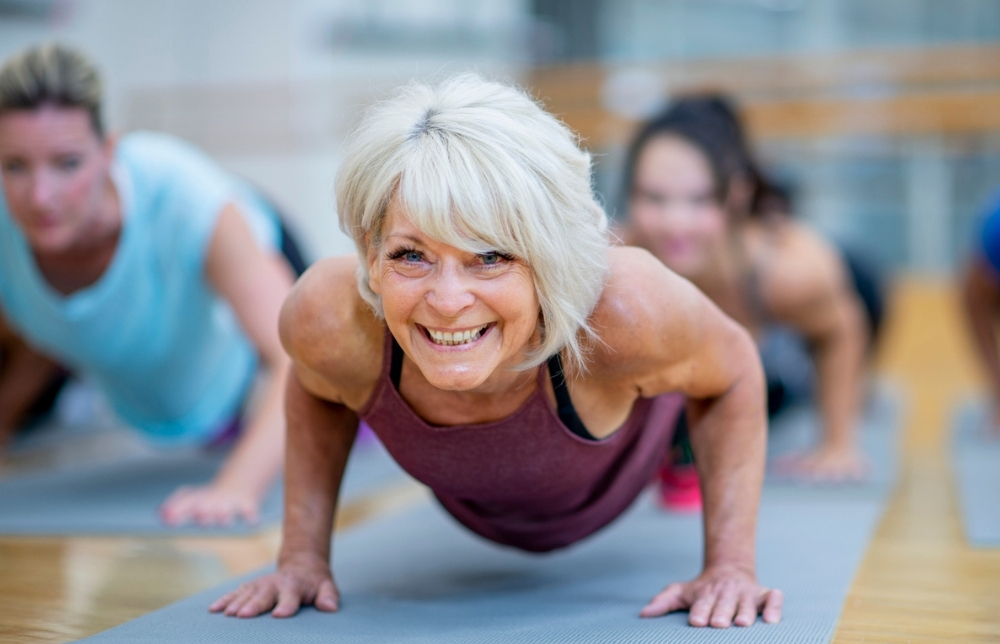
(803, 276)
(645, 309)
(330, 332)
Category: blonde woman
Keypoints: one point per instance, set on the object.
(506, 355)
(140, 263)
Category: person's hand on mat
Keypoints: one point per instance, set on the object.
(826, 464)
(298, 582)
(210, 505)
(720, 597)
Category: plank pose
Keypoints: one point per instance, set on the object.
(981, 298)
(506, 355)
(141, 264)
(698, 201)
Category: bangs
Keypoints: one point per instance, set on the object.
(458, 195)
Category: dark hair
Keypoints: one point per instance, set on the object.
(710, 123)
(51, 74)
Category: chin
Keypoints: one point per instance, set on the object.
(452, 381)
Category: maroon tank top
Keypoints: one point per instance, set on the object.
(526, 480)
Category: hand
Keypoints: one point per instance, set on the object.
(719, 597)
(826, 464)
(209, 505)
(304, 581)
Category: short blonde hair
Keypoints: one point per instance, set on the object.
(480, 166)
(51, 74)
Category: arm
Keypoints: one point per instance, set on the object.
(817, 300)
(320, 435)
(684, 343)
(334, 364)
(24, 375)
(255, 283)
(981, 300)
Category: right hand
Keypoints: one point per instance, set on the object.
(297, 582)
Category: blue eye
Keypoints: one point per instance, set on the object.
(490, 258)
(68, 163)
(412, 256)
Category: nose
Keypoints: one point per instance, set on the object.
(450, 293)
(41, 190)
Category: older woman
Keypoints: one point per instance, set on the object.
(697, 201)
(141, 264)
(506, 355)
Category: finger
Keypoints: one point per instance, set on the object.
(724, 610)
(327, 599)
(261, 601)
(243, 595)
(178, 511)
(773, 601)
(221, 603)
(701, 609)
(746, 615)
(289, 601)
(666, 601)
(249, 512)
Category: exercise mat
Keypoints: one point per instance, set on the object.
(976, 462)
(124, 497)
(797, 429)
(419, 577)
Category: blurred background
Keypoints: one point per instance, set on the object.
(881, 117)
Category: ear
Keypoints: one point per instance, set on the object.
(371, 259)
(739, 195)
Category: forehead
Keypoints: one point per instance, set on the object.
(48, 128)
(668, 160)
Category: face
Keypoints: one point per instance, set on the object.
(464, 319)
(673, 209)
(55, 169)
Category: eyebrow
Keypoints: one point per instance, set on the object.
(412, 238)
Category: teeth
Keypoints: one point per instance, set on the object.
(447, 338)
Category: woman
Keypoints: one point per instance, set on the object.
(980, 286)
(505, 355)
(697, 201)
(143, 265)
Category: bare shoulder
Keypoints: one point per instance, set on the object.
(330, 332)
(801, 270)
(644, 310)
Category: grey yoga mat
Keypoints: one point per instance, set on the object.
(123, 497)
(976, 463)
(419, 577)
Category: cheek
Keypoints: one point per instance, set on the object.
(710, 224)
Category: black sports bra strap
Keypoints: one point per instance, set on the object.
(396, 364)
(566, 410)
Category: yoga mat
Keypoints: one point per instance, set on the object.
(420, 577)
(976, 462)
(799, 428)
(124, 497)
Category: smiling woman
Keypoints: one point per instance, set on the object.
(483, 264)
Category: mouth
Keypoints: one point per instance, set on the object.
(455, 338)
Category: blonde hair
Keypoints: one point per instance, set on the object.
(480, 166)
(51, 74)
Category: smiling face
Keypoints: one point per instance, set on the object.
(673, 208)
(466, 320)
(55, 169)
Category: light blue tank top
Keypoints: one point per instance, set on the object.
(165, 349)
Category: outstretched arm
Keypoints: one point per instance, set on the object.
(24, 375)
(683, 342)
(255, 283)
(320, 435)
(981, 300)
(818, 301)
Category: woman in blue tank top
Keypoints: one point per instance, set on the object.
(141, 264)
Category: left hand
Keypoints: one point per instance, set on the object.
(719, 597)
(826, 464)
(210, 505)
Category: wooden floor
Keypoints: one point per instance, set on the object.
(919, 582)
